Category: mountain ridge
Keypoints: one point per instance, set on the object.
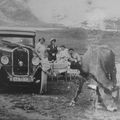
(17, 13)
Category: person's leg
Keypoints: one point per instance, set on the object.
(43, 82)
(75, 65)
(78, 91)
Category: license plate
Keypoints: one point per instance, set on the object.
(18, 79)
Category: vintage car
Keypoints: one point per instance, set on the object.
(18, 60)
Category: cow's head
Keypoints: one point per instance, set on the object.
(108, 100)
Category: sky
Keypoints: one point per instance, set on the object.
(73, 12)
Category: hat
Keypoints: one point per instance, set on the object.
(52, 39)
(63, 46)
(42, 39)
(71, 49)
(58, 48)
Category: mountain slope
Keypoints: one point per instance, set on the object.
(16, 13)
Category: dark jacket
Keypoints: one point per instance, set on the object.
(52, 51)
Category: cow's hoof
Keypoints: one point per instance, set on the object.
(68, 87)
(72, 103)
(37, 81)
(98, 106)
(111, 109)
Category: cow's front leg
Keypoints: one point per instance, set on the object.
(80, 86)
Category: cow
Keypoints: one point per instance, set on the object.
(98, 64)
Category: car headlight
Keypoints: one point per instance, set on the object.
(35, 61)
(4, 60)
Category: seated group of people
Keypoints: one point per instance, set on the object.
(56, 56)
(59, 54)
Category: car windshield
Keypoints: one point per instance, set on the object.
(19, 40)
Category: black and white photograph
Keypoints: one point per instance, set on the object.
(59, 59)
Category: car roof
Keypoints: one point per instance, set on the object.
(17, 31)
(23, 30)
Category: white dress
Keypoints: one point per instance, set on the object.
(45, 66)
(63, 55)
(40, 49)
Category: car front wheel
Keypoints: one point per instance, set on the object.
(3, 78)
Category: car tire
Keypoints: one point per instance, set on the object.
(37, 88)
(38, 84)
(3, 78)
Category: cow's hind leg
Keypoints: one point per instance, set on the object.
(80, 85)
(94, 100)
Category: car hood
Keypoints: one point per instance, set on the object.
(10, 46)
(3, 48)
(7, 46)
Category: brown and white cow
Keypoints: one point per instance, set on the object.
(98, 63)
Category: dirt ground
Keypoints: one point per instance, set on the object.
(20, 103)
(17, 105)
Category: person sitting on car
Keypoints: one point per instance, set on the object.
(74, 59)
(40, 47)
(52, 50)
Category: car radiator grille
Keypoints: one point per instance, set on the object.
(21, 61)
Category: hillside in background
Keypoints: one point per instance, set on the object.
(16, 13)
(70, 37)
(112, 24)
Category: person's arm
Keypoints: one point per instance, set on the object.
(49, 50)
(37, 48)
(78, 58)
(56, 51)
(45, 64)
(71, 59)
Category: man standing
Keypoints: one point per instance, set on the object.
(52, 50)
(40, 47)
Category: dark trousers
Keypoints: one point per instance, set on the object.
(75, 65)
(51, 57)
